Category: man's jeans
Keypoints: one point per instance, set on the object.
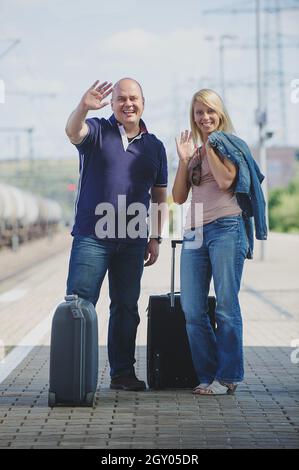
(90, 259)
(217, 355)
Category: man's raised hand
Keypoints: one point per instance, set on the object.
(93, 98)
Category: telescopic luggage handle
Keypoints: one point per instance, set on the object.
(174, 243)
(71, 297)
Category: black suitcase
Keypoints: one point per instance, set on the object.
(169, 362)
(73, 354)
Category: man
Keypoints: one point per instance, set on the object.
(119, 162)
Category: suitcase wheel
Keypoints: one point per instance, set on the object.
(51, 399)
(89, 400)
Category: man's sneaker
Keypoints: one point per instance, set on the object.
(127, 382)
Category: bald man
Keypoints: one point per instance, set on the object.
(122, 169)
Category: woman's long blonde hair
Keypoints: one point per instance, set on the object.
(212, 99)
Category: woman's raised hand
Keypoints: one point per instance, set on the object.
(185, 147)
(94, 96)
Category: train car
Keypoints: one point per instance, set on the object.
(25, 216)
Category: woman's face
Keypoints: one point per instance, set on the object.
(206, 119)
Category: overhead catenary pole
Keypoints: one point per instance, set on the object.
(270, 8)
(16, 131)
(261, 119)
(221, 46)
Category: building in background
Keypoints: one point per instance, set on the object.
(281, 165)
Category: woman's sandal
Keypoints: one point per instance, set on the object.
(215, 388)
(231, 388)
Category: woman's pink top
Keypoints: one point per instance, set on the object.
(215, 202)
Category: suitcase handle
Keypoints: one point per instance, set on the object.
(71, 297)
(174, 243)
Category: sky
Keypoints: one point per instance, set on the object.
(171, 47)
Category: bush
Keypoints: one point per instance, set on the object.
(284, 207)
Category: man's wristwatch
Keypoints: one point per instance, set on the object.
(159, 239)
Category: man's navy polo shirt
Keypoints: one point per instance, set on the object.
(110, 166)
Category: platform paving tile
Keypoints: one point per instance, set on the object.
(5, 444)
(264, 413)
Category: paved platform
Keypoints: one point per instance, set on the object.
(264, 412)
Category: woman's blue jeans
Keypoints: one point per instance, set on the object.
(219, 251)
(89, 261)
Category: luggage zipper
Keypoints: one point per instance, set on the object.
(79, 353)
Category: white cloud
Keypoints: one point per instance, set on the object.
(36, 85)
(134, 41)
(179, 48)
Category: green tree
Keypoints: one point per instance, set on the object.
(284, 207)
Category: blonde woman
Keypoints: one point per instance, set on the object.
(213, 178)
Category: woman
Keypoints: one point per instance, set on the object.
(217, 356)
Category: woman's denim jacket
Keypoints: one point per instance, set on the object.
(247, 185)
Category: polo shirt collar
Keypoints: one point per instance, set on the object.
(143, 130)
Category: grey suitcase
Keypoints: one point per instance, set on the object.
(73, 354)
